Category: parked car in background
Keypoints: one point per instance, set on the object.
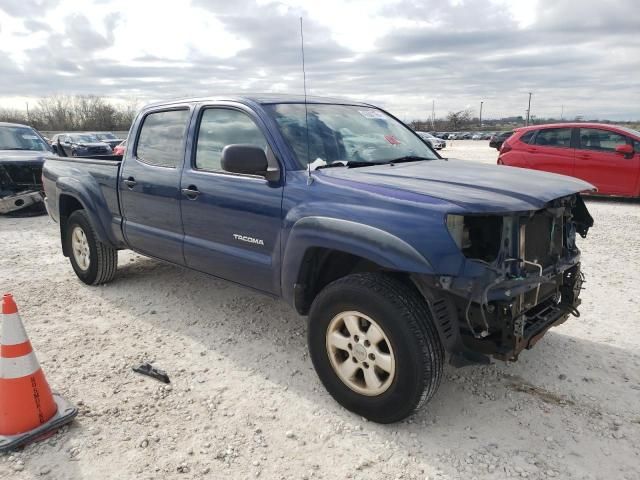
(496, 140)
(120, 148)
(477, 136)
(452, 136)
(604, 155)
(22, 154)
(435, 142)
(79, 145)
(108, 138)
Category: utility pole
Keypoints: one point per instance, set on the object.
(27, 112)
(433, 114)
(481, 114)
(528, 110)
(562, 113)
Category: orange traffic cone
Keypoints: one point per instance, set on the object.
(28, 409)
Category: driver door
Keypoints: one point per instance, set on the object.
(231, 222)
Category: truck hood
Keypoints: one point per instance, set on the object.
(22, 157)
(473, 186)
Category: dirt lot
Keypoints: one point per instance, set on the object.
(244, 401)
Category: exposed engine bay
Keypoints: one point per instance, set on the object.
(21, 187)
(522, 277)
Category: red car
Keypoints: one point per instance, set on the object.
(606, 156)
(120, 148)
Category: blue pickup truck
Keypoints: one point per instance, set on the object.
(400, 258)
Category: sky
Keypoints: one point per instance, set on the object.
(577, 57)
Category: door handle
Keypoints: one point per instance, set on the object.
(130, 182)
(191, 192)
(532, 150)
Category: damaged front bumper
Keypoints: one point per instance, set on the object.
(513, 318)
(506, 301)
(18, 201)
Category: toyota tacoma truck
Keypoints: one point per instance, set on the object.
(401, 259)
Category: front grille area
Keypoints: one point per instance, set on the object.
(20, 177)
(543, 239)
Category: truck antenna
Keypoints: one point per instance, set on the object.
(306, 114)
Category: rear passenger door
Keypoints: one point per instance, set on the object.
(231, 221)
(551, 151)
(598, 163)
(150, 184)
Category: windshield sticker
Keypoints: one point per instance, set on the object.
(30, 137)
(392, 140)
(372, 113)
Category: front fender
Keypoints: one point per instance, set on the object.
(365, 241)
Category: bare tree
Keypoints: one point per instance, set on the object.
(79, 112)
(459, 119)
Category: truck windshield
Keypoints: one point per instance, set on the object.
(21, 138)
(346, 134)
(106, 136)
(84, 138)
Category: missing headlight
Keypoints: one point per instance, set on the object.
(477, 236)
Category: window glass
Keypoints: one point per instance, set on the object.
(345, 133)
(220, 127)
(84, 138)
(106, 136)
(161, 140)
(554, 137)
(603, 140)
(20, 138)
(527, 137)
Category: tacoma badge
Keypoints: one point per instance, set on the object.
(244, 238)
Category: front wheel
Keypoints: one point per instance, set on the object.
(93, 261)
(374, 346)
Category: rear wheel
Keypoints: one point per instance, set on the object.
(374, 346)
(93, 261)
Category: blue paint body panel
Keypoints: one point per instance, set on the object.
(393, 216)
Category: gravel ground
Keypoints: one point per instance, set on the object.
(244, 401)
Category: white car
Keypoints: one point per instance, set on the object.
(435, 142)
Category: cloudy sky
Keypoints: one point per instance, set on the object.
(582, 56)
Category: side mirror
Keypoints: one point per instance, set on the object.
(244, 159)
(624, 149)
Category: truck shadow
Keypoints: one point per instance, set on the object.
(548, 393)
(221, 315)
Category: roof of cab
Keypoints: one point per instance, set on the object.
(263, 99)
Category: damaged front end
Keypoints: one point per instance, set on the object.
(21, 186)
(521, 277)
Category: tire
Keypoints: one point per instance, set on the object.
(102, 260)
(411, 341)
